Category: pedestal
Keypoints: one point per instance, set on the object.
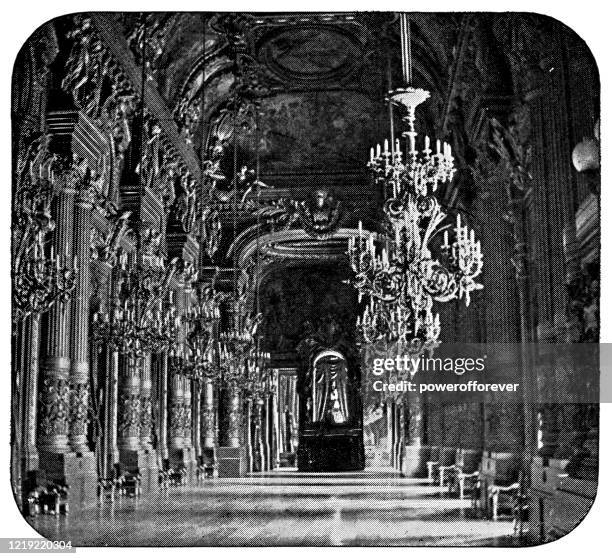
(209, 427)
(544, 481)
(76, 470)
(415, 461)
(184, 458)
(232, 461)
(143, 462)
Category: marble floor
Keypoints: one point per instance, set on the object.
(283, 508)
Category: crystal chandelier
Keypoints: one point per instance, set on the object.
(419, 258)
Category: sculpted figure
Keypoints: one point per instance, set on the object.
(329, 388)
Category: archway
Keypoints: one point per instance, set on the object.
(308, 326)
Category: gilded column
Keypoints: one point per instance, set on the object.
(146, 404)
(265, 435)
(176, 414)
(55, 374)
(389, 422)
(196, 419)
(232, 456)
(80, 320)
(176, 406)
(129, 406)
(400, 436)
(187, 427)
(163, 405)
(275, 461)
(31, 341)
(111, 386)
(416, 455)
(232, 421)
(209, 423)
(248, 439)
(111, 410)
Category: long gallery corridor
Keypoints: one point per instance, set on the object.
(253, 249)
(285, 507)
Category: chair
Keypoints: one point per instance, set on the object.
(164, 479)
(460, 482)
(439, 468)
(107, 487)
(503, 498)
(129, 484)
(178, 477)
(432, 465)
(54, 499)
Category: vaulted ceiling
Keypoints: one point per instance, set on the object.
(322, 78)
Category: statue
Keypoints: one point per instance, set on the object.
(329, 388)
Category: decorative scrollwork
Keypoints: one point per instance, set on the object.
(177, 419)
(87, 66)
(129, 416)
(104, 248)
(79, 408)
(54, 406)
(146, 416)
(319, 215)
(41, 278)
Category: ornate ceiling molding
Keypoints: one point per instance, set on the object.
(294, 244)
(116, 43)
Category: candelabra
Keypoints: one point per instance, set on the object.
(258, 382)
(39, 280)
(237, 344)
(143, 319)
(198, 353)
(400, 271)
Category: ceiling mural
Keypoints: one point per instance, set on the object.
(317, 131)
(311, 54)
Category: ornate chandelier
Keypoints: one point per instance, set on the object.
(143, 319)
(414, 262)
(40, 277)
(237, 343)
(198, 353)
(258, 382)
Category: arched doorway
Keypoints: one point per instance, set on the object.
(309, 315)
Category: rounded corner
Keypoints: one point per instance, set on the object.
(563, 535)
(33, 34)
(20, 512)
(568, 31)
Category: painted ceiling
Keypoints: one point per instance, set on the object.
(323, 78)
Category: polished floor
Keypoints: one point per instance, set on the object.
(283, 508)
